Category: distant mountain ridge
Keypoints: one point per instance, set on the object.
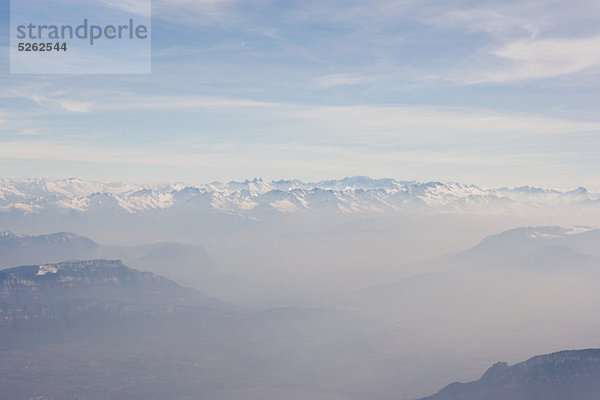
(513, 261)
(550, 242)
(254, 198)
(16, 249)
(189, 265)
(573, 375)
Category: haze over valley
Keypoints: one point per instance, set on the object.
(350, 289)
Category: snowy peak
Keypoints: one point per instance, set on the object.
(257, 198)
(556, 232)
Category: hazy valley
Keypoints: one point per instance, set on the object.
(322, 302)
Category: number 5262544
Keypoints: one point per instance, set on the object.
(42, 46)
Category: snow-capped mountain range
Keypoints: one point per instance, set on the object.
(254, 198)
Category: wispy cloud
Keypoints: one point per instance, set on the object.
(198, 161)
(498, 23)
(130, 102)
(352, 122)
(136, 7)
(51, 99)
(343, 79)
(527, 41)
(139, 7)
(547, 58)
(193, 11)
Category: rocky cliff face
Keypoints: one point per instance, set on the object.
(573, 375)
(69, 289)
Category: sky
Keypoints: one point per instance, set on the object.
(494, 93)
